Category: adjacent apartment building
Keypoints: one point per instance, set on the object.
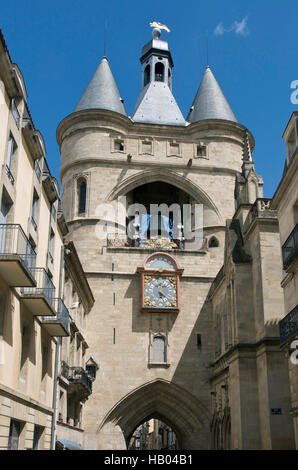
(44, 295)
(285, 201)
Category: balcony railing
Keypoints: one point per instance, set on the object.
(9, 174)
(34, 224)
(44, 287)
(288, 326)
(163, 243)
(50, 257)
(57, 325)
(79, 377)
(290, 248)
(13, 241)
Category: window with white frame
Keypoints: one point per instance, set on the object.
(34, 209)
(11, 150)
(51, 246)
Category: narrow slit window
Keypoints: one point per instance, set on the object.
(82, 189)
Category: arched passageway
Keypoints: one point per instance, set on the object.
(162, 400)
(153, 434)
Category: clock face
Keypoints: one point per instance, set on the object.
(160, 262)
(160, 292)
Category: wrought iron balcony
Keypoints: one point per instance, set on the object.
(288, 326)
(17, 256)
(290, 248)
(57, 325)
(79, 382)
(9, 174)
(40, 300)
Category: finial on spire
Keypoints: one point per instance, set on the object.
(157, 27)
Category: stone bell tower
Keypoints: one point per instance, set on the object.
(151, 324)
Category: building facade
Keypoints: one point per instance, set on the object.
(285, 202)
(33, 315)
(185, 324)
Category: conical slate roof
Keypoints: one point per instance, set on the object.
(157, 105)
(210, 102)
(102, 91)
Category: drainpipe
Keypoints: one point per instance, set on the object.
(54, 420)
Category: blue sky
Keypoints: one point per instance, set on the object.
(252, 52)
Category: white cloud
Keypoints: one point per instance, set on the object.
(219, 30)
(240, 28)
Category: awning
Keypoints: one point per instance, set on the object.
(69, 445)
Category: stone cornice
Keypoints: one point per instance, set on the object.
(146, 164)
(28, 401)
(104, 118)
(187, 277)
(235, 351)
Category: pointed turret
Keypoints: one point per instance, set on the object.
(102, 91)
(156, 104)
(210, 102)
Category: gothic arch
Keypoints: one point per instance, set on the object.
(163, 400)
(166, 176)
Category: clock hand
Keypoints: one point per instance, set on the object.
(161, 292)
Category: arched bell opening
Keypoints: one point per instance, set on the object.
(165, 212)
(146, 75)
(159, 72)
(169, 189)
